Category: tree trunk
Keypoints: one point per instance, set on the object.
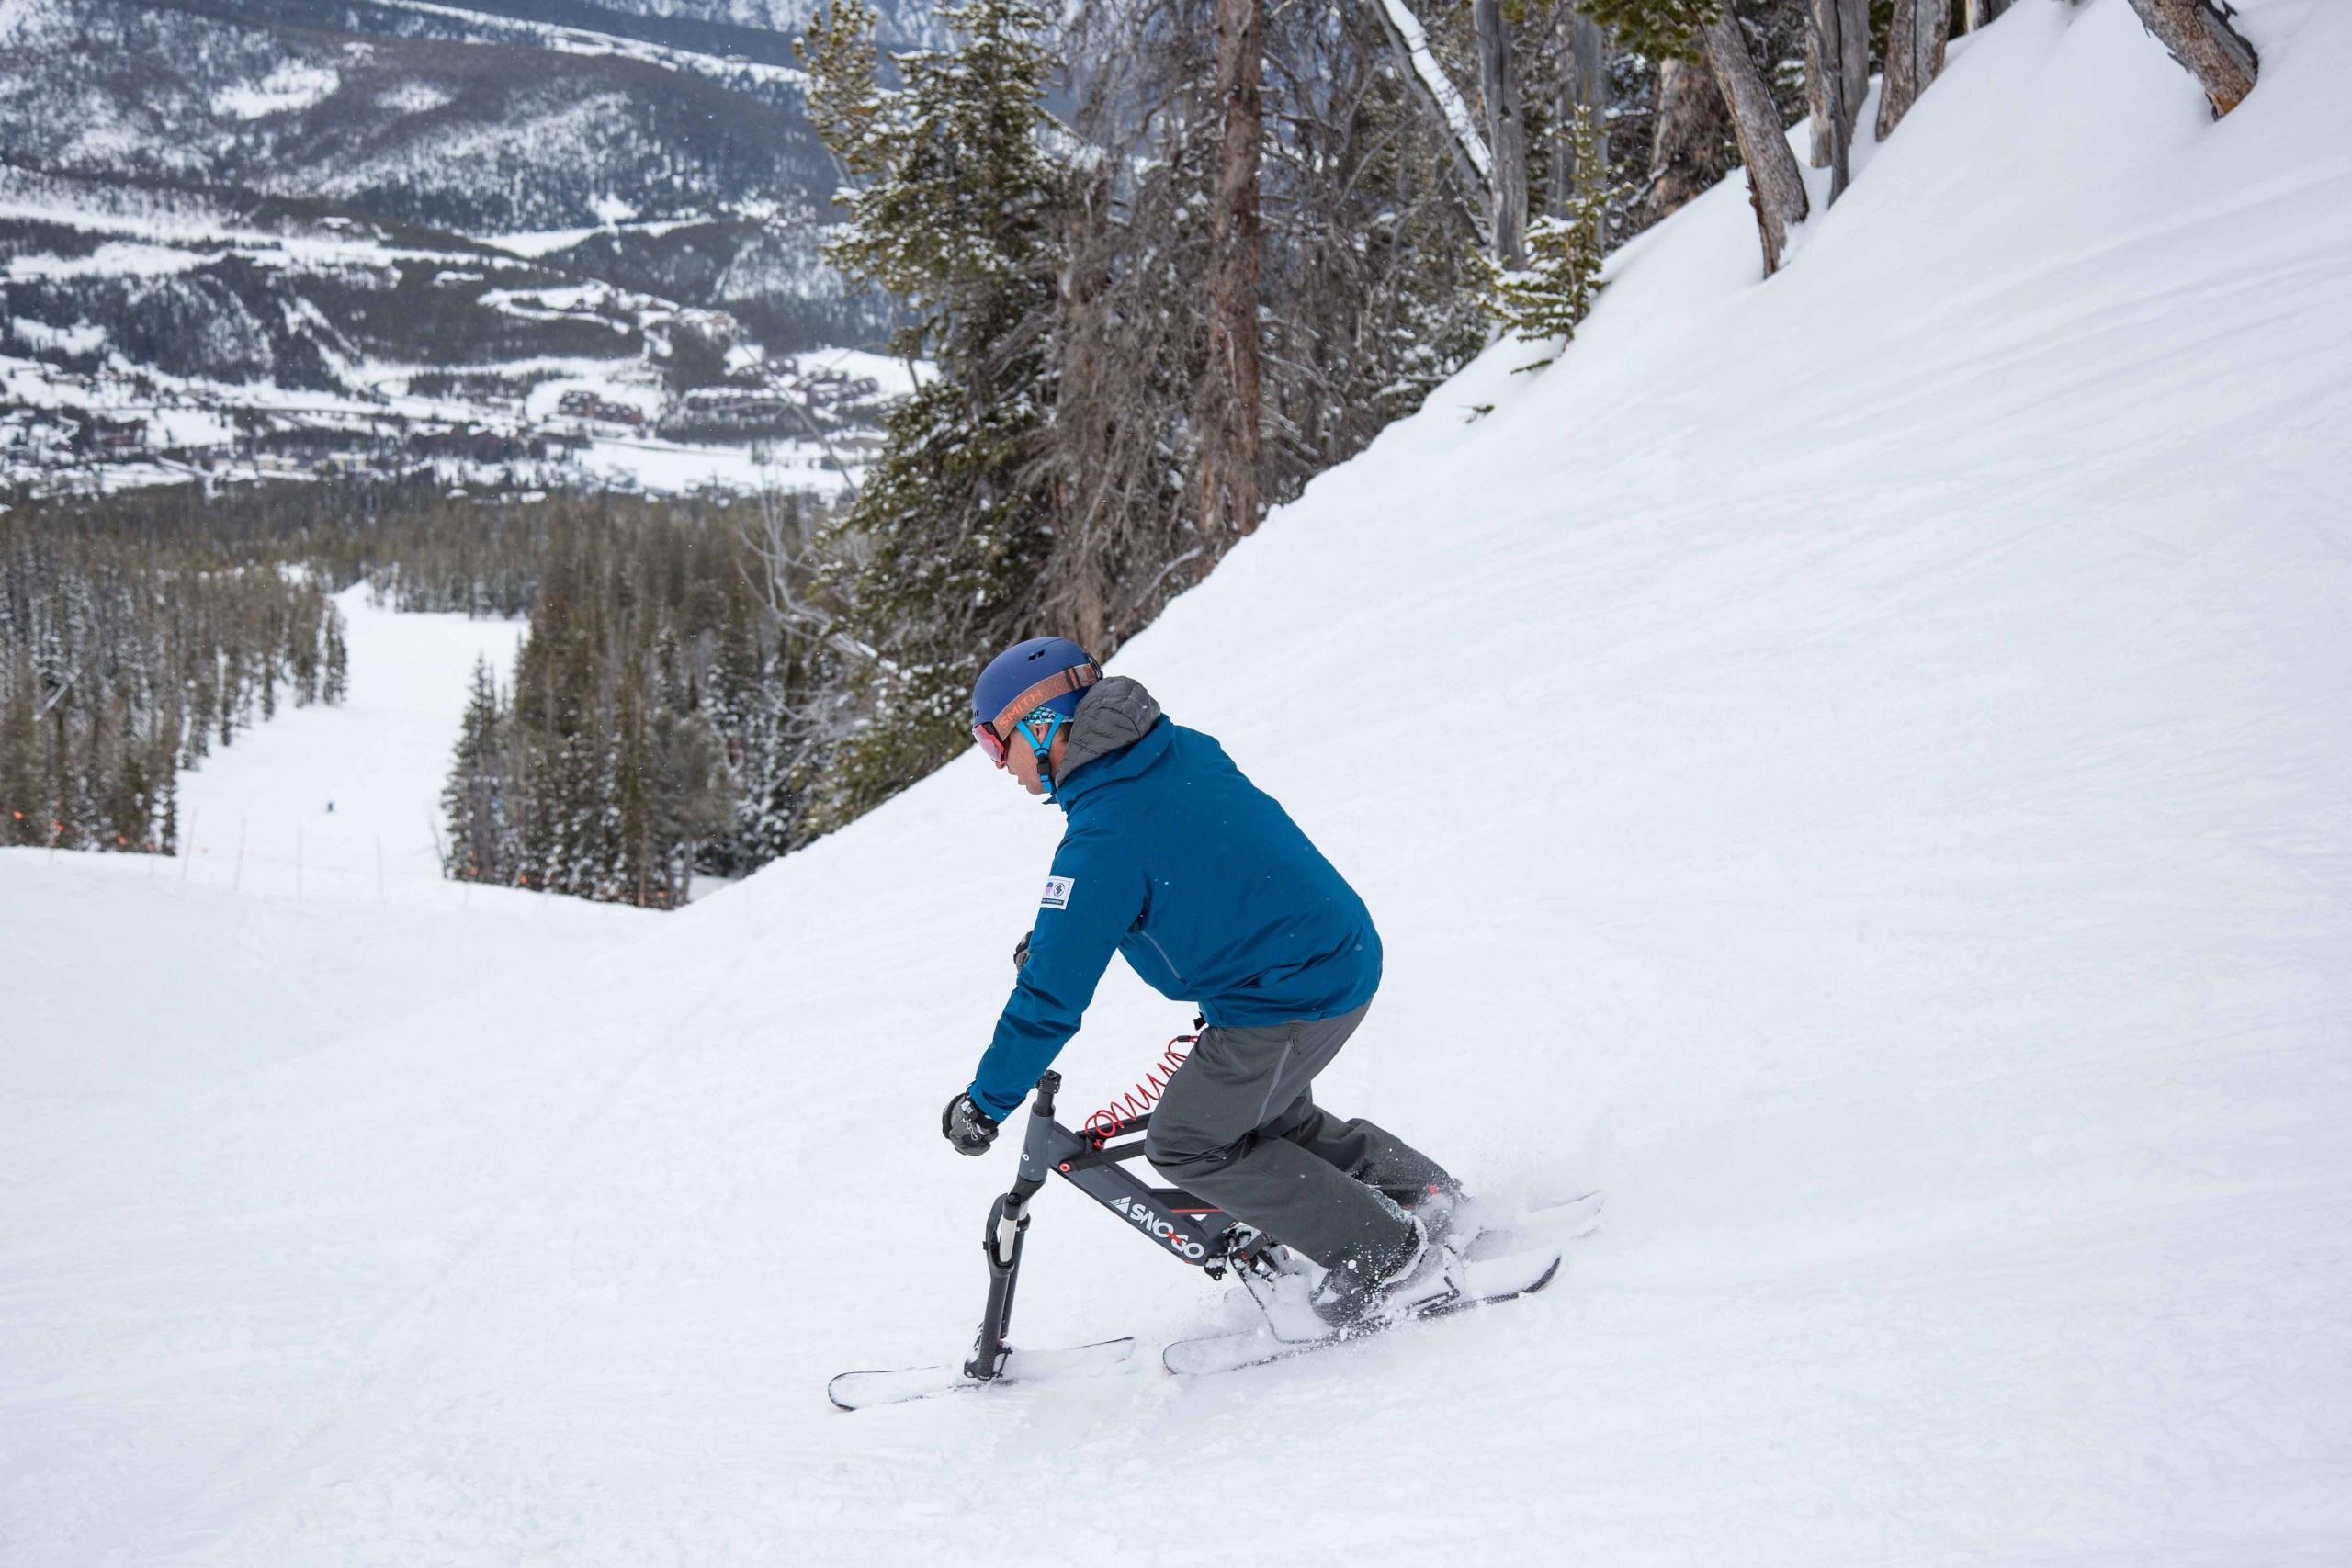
(1584, 94)
(1687, 137)
(1821, 126)
(1915, 58)
(1824, 91)
(1854, 38)
(2200, 38)
(1985, 13)
(1229, 396)
(1775, 185)
(1505, 135)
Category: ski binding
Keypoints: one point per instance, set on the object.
(1485, 1282)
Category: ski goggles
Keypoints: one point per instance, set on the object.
(989, 741)
(1077, 678)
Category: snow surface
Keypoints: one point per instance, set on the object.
(583, 40)
(116, 258)
(1856, 764)
(293, 86)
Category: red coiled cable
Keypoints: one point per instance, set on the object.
(1111, 1120)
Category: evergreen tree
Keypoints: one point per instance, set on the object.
(1548, 298)
(954, 210)
(632, 851)
(473, 802)
(336, 681)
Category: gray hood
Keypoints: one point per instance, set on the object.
(1115, 714)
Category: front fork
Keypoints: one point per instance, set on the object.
(1188, 1228)
(1008, 1228)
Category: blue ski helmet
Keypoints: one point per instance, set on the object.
(1026, 666)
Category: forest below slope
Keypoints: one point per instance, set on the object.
(672, 711)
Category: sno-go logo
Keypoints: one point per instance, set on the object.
(1152, 1225)
(1058, 891)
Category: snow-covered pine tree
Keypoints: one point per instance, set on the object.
(952, 209)
(1546, 299)
(633, 845)
(480, 846)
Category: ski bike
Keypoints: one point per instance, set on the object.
(1093, 1159)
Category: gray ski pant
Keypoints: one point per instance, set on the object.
(1238, 1125)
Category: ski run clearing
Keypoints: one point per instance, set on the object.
(1860, 766)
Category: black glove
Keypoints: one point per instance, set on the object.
(966, 1126)
(1021, 952)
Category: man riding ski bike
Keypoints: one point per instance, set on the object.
(1174, 860)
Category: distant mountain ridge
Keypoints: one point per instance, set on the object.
(478, 137)
(346, 197)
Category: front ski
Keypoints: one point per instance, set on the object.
(1488, 1281)
(857, 1391)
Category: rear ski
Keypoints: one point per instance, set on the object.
(1485, 1282)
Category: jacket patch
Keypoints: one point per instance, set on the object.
(1057, 889)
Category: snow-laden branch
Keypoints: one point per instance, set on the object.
(1407, 28)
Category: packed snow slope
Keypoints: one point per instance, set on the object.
(307, 898)
(1858, 764)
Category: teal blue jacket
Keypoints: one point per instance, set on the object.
(1207, 887)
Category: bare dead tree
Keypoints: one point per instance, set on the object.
(2200, 36)
(1689, 136)
(1366, 287)
(1775, 186)
(1371, 288)
(781, 534)
(1506, 133)
(1985, 13)
(1466, 149)
(1915, 58)
(1230, 384)
(1132, 335)
(1826, 88)
(1854, 58)
(1585, 91)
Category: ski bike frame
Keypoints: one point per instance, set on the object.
(1190, 1230)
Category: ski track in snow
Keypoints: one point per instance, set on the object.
(1897, 842)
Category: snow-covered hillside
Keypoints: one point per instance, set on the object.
(1856, 764)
